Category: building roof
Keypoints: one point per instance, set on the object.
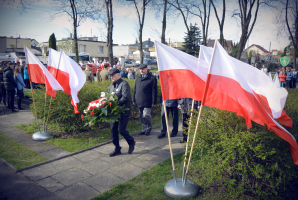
(210, 43)
(259, 47)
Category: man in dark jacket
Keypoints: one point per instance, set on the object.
(144, 97)
(10, 85)
(171, 106)
(122, 90)
(185, 105)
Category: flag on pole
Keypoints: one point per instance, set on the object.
(272, 98)
(180, 73)
(276, 80)
(40, 74)
(68, 73)
(270, 76)
(16, 59)
(227, 89)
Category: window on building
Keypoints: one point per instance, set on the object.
(100, 49)
(258, 50)
(82, 48)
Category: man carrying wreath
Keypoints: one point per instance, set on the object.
(122, 90)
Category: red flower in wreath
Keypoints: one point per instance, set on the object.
(82, 116)
(92, 113)
(91, 108)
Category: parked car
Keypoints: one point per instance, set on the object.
(148, 61)
(129, 63)
(138, 62)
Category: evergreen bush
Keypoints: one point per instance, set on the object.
(62, 112)
(243, 162)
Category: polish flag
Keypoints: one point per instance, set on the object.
(276, 80)
(40, 74)
(16, 59)
(68, 73)
(227, 89)
(271, 97)
(270, 76)
(181, 75)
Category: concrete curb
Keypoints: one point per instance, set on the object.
(8, 164)
(68, 155)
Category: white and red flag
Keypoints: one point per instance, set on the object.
(16, 59)
(68, 73)
(181, 75)
(272, 98)
(227, 89)
(38, 73)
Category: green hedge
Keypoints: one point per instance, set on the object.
(62, 114)
(243, 162)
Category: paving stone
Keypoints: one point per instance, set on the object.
(147, 145)
(77, 191)
(88, 155)
(116, 160)
(71, 176)
(5, 168)
(125, 170)
(95, 166)
(144, 164)
(160, 153)
(50, 184)
(25, 191)
(29, 142)
(11, 180)
(103, 181)
(65, 163)
(105, 149)
(50, 197)
(40, 172)
(54, 153)
(19, 138)
(42, 147)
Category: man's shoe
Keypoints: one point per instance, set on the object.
(161, 135)
(173, 134)
(115, 153)
(21, 108)
(147, 133)
(131, 147)
(141, 133)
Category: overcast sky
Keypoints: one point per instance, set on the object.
(36, 24)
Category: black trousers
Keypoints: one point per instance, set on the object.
(289, 83)
(175, 115)
(121, 124)
(10, 102)
(185, 118)
(27, 83)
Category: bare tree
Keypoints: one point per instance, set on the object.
(245, 14)
(182, 7)
(201, 10)
(22, 5)
(288, 24)
(78, 11)
(141, 10)
(221, 23)
(109, 10)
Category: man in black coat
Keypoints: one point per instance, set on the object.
(122, 90)
(144, 97)
(10, 85)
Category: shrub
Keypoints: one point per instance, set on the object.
(62, 112)
(245, 162)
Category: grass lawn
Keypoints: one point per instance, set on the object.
(149, 185)
(82, 141)
(17, 154)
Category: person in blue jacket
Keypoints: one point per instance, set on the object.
(289, 77)
(123, 73)
(26, 77)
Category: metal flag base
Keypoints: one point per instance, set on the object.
(42, 135)
(176, 189)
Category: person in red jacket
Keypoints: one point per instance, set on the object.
(282, 77)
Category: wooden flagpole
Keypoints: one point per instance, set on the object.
(31, 89)
(167, 122)
(51, 96)
(200, 112)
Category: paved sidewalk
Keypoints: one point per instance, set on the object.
(84, 175)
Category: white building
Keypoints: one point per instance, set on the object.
(123, 50)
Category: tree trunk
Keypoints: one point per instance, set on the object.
(75, 39)
(109, 7)
(294, 59)
(241, 46)
(164, 21)
(141, 45)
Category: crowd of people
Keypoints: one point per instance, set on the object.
(13, 79)
(287, 75)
